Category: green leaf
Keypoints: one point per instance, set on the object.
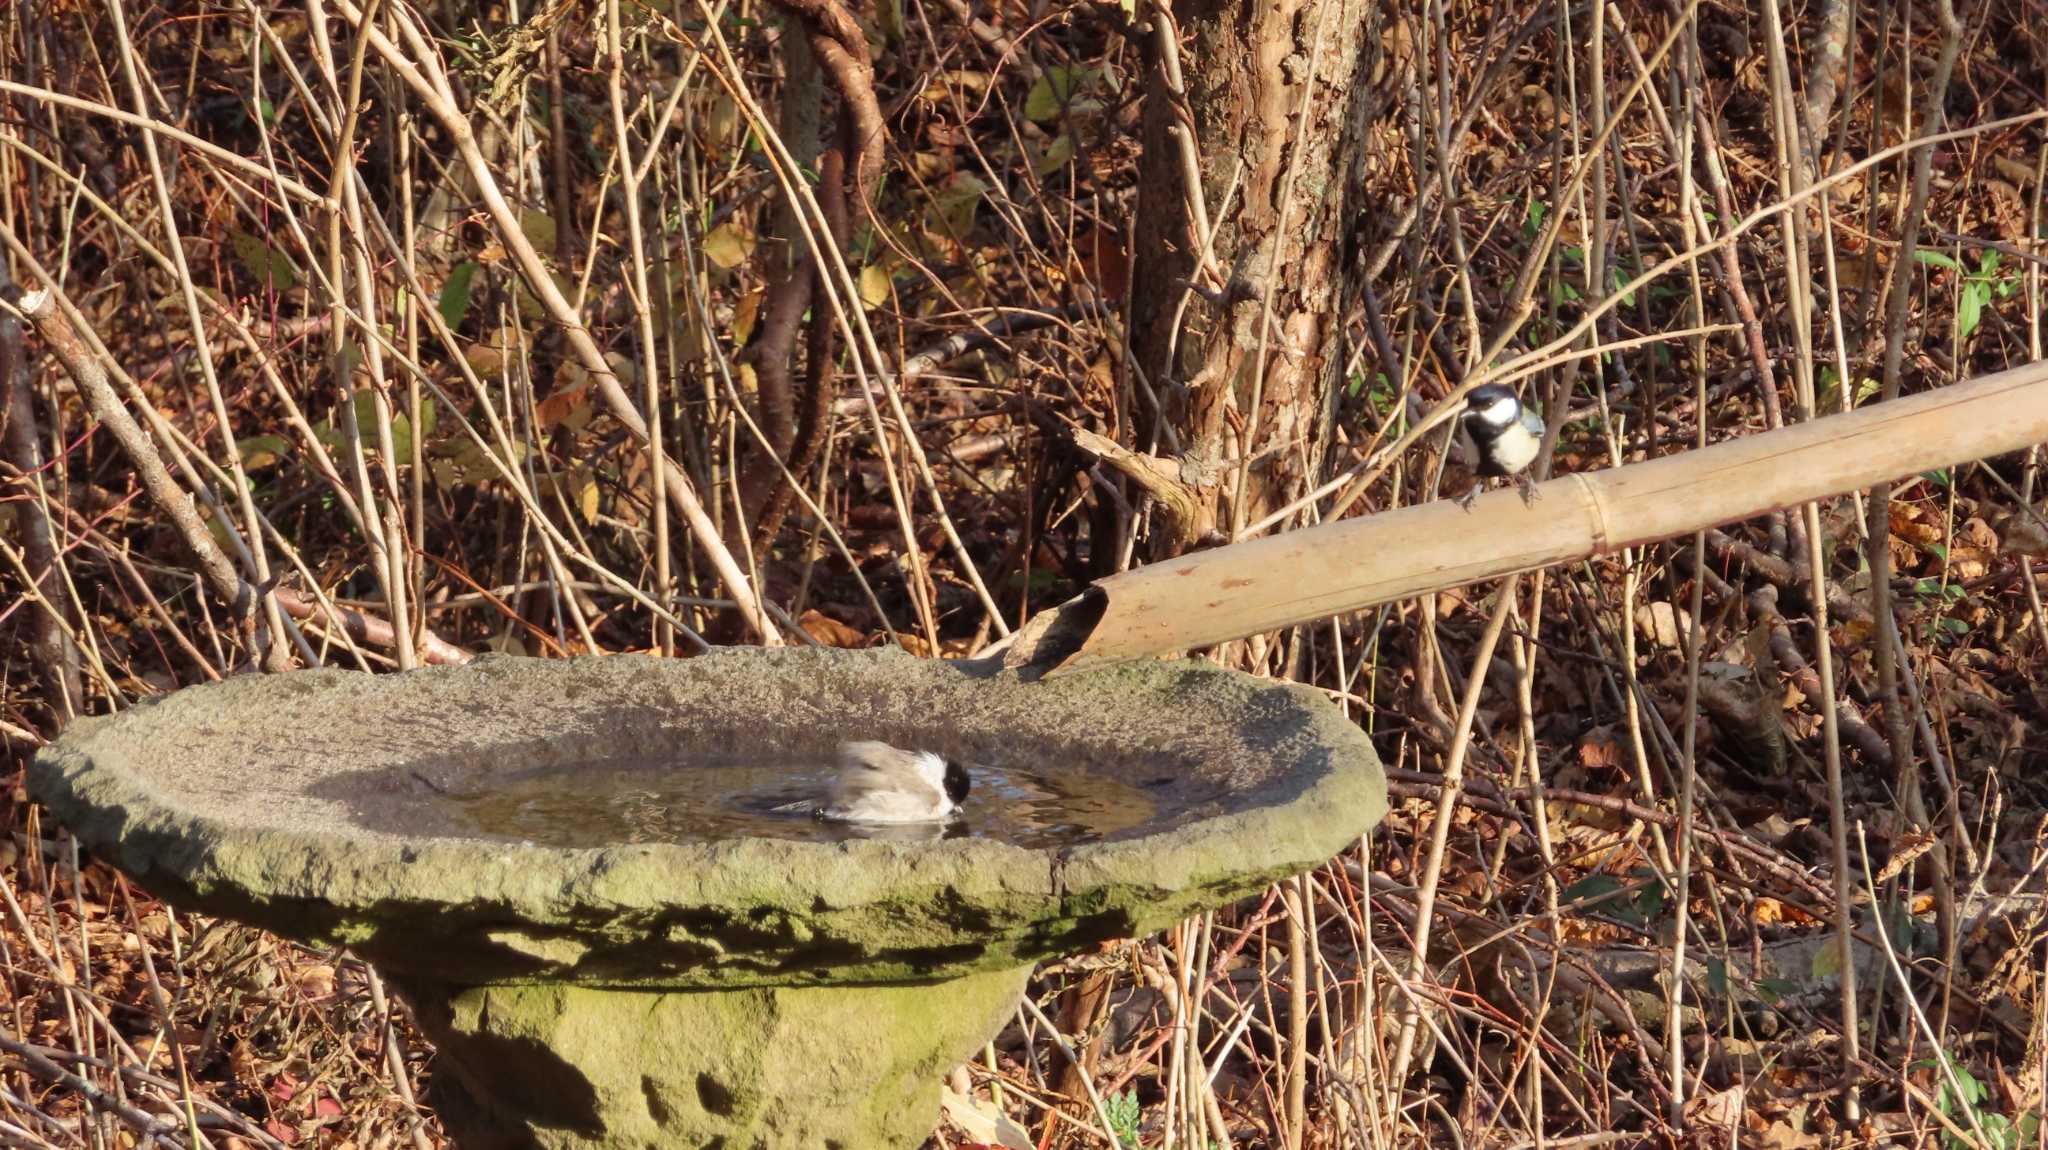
(1590, 889)
(956, 203)
(1382, 395)
(1041, 104)
(529, 302)
(366, 423)
(1628, 298)
(271, 267)
(1123, 1114)
(1938, 259)
(460, 460)
(889, 17)
(1827, 959)
(1970, 308)
(1903, 928)
(539, 229)
(1649, 904)
(1057, 155)
(454, 300)
(261, 451)
(1717, 976)
(365, 404)
(1972, 1090)
(1772, 990)
(874, 285)
(727, 246)
(1054, 91)
(1040, 580)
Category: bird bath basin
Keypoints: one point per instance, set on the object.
(683, 982)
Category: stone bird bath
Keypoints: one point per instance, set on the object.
(752, 991)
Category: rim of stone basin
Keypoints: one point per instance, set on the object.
(293, 802)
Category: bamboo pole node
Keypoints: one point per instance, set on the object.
(1598, 508)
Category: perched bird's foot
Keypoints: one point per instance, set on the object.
(1528, 485)
(1465, 500)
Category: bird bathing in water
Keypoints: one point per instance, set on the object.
(878, 783)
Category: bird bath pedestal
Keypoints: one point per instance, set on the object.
(742, 992)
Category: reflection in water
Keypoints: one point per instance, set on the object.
(681, 801)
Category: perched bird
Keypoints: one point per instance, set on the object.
(878, 783)
(1497, 436)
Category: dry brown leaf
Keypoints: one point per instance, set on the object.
(1908, 525)
(744, 313)
(2019, 173)
(562, 406)
(1969, 563)
(1665, 624)
(1910, 846)
(831, 632)
(2024, 535)
(1782, 1136)
(1718, 1108)
(316, 981)
(1601, 749)
(1105, 257)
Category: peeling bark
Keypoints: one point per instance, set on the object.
(1226, 370)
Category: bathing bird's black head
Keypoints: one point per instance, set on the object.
(956, 782)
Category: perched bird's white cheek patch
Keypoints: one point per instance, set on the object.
(1501, 412)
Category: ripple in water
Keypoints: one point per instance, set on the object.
(673, 802)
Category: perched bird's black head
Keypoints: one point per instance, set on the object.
(956, 782)
(1491, 408)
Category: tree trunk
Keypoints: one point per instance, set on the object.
(1231, 383)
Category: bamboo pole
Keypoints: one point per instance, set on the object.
(1278, 581)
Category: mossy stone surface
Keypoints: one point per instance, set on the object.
(563, 1067)
(306, 804)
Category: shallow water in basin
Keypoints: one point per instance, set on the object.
(697, 801)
